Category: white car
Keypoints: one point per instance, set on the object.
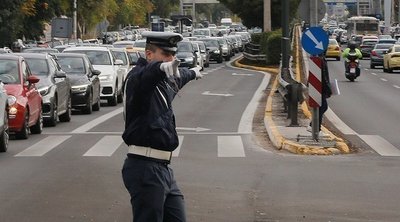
(3, 119)
(111, 79)
(121, 54)
(200, 59)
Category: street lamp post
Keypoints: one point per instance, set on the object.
(75, 21)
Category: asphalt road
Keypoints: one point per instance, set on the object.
(225, 167)
(370, 105)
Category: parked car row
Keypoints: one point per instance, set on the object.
(39, 89)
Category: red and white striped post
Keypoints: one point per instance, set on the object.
(315, 92)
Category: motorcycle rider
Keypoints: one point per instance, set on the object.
(351, 48)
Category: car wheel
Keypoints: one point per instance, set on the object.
(219, 60)
(52, 121)
(88, 109)
(338, 58)
(96, 106)
(38, 127)
(120, 97)
(24, 133)
(371, 66)
(66, 117)
(207, 65)
(227, 58)
(4, 137)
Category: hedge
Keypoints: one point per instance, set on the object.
(273, 47)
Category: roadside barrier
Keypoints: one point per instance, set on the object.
(252, 52)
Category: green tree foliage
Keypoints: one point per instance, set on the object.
(251, 12)
(212, 12)
(9, 26)
(133, 11)
(163, 8)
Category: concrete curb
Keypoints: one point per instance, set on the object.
(276, 137)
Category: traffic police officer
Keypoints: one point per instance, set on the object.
(150, 130)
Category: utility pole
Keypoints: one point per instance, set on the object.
(194, 13)
(267, 15)
(75, 21)
(285, 37)
(388, 12)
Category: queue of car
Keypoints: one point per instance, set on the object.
(41, 86)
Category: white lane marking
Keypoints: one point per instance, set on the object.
(338, 123)
(105, 147)
(374, 74)
(246, 121)
(86, 127)
(380, 145)
(43, 146)
(230, 146)
(176, 152)
(396, 86)
(242, 74)
(366, 69)
(207, 93)
(385, 80)
(197, 129)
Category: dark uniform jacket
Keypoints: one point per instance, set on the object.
(149, 119)
(326, 86)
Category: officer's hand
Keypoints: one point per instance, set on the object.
(197, 71)
(171, 68)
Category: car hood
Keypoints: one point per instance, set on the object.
(43, 82)
(182, 55)
(105, 69)
(211, 49)
(77, 80)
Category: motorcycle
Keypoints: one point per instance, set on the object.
(352, 69)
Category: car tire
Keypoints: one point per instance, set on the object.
(220, 60)
(96, 106)
(24, 133)
(66, 117)
(371, 66)
(227, 58)
(120, 97)
(54, 115)
(207, 65)
(4, 137)
(38, 127)
(337, 58)
(88, 108)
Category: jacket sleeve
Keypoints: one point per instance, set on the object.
(186, 76)
(359, 54)
(345, 53)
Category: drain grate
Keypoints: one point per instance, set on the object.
(323, 141)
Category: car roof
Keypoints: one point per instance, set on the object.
(11, 56)
(94, 48)
(34, 55)
(70, 54)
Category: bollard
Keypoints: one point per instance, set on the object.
(294, 98)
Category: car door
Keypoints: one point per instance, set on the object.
(94, 79)
(61, 85)
(32, 94)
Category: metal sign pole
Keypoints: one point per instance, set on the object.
(315, 123)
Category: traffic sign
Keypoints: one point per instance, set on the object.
(315, 40)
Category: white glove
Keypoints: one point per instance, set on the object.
(197, 71)
(171, 68)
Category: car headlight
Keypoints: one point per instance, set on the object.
(106, 77)
(11, 100)
(216, 51)
(79, 89)
(44, 91)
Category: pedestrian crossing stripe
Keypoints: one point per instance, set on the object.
(228, 146)
(43, 146)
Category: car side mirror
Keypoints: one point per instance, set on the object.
(96, 72)
(60, 74)
(33, 79)
(118, 62)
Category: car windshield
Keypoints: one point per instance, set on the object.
(198, 32)
(97, 57)
(133, 56)
(38, 66)
(121, 56)
(72, 65)
(211, 43)
(369, 42)
(332, 42)
(202, 47)
(9, 71)
(184, 47)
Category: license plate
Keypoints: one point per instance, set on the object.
(352, 70)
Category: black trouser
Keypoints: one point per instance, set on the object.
(155, 196)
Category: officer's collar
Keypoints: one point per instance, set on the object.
(141, 61)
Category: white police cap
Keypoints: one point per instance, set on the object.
(164, 40)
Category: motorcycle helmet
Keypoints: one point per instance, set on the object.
(352, 45)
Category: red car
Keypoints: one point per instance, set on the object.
(24, 100)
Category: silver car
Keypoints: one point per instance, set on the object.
(3, 119)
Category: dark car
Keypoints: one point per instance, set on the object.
(54, 86)
(85, 83)
(377, 53)
(186, 54)
(367, 45)
(214, 49)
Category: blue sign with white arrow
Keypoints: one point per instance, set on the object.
(315, 40)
